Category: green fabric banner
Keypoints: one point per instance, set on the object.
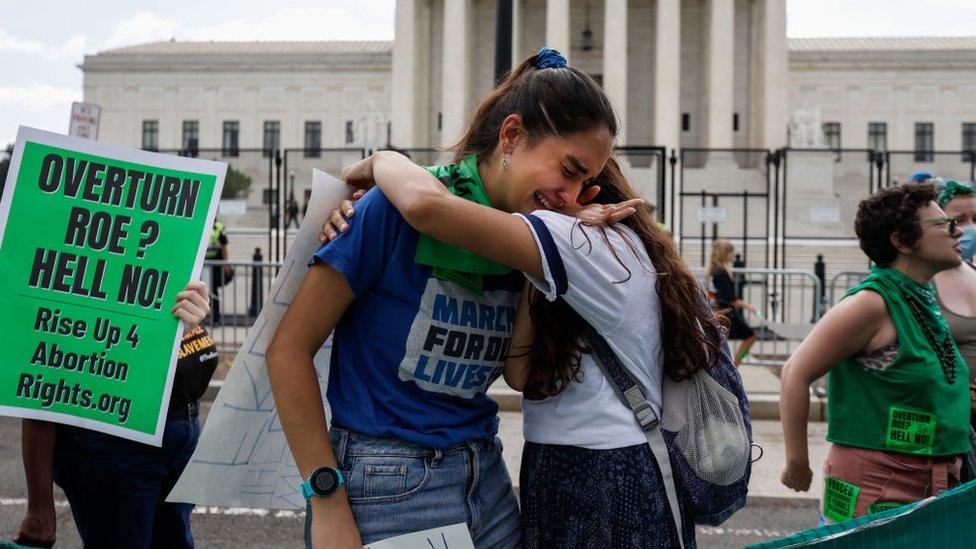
(95, 243)
(945, 521)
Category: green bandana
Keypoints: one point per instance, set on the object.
(451, 263)
(925, 308)
(923, 295)
(951, 190)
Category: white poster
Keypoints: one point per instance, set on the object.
(455, 536)
(243, 459)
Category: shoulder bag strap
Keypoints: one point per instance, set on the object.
(633, 397)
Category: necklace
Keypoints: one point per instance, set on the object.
(945, 350)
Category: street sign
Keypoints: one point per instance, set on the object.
(84, 120)
(825, 215)
(711, 214)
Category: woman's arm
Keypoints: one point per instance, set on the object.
(741, 304)
(520, 346)
(725, 290)
(315, 310)
(37, 450)
(431, 209)
(845, 330)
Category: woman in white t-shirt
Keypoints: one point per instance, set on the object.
(588, 477)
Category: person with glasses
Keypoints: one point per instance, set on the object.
(898, 395)
(956, 288)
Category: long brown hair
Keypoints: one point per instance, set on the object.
(689, 330)
(551, 101)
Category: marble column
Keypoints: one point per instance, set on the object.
(557, 26)
(405, 61)
(455, 75)
(719, 73)
(615, 61)
(667, 74)
(517, 54)
(771, 100)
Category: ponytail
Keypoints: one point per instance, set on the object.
(552, 98)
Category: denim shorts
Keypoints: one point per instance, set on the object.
(397, 487)
(576, 497)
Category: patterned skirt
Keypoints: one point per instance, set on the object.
(577, 497)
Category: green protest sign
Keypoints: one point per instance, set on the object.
(95, 242)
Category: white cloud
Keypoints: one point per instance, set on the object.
(38, 106)
(38, 97)
(73, 47)
(13, 44)
(339, 21)
(806, 18)
(142, 27)
(313, 23)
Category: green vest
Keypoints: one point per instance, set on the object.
(909, 407)
(213, 250)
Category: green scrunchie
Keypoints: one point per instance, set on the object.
(953, 189)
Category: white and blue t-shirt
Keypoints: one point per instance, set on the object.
(606, 276)
(413, 355)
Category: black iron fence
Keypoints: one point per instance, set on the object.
(780, 208)
(723, 193)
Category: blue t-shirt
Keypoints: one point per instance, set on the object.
(413, 355)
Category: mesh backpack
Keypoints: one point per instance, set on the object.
(702, 442)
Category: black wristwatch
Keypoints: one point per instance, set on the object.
(323, 482)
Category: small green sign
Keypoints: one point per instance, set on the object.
(840, 499)
(910, 431)
(882, 506)
(95, 243)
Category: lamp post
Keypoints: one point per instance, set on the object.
(587, 32)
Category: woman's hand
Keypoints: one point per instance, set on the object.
(360, 173)
(39, 525)
(192, 304)
(797, 476)
(334, 532)
(604, 214)
(333, 525)
(338, 220)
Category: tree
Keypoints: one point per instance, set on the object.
(4, 166)
(236, 184)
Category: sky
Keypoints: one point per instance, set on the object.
(40, 54)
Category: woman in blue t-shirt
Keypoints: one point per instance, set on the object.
(588, 477)
(421, 328)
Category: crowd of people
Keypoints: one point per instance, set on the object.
(440, 280)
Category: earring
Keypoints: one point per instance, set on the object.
(505, 158)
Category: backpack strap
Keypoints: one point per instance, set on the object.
(633, 397)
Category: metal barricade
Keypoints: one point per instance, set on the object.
(789, 305)
(236, 300)
(845, 280)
